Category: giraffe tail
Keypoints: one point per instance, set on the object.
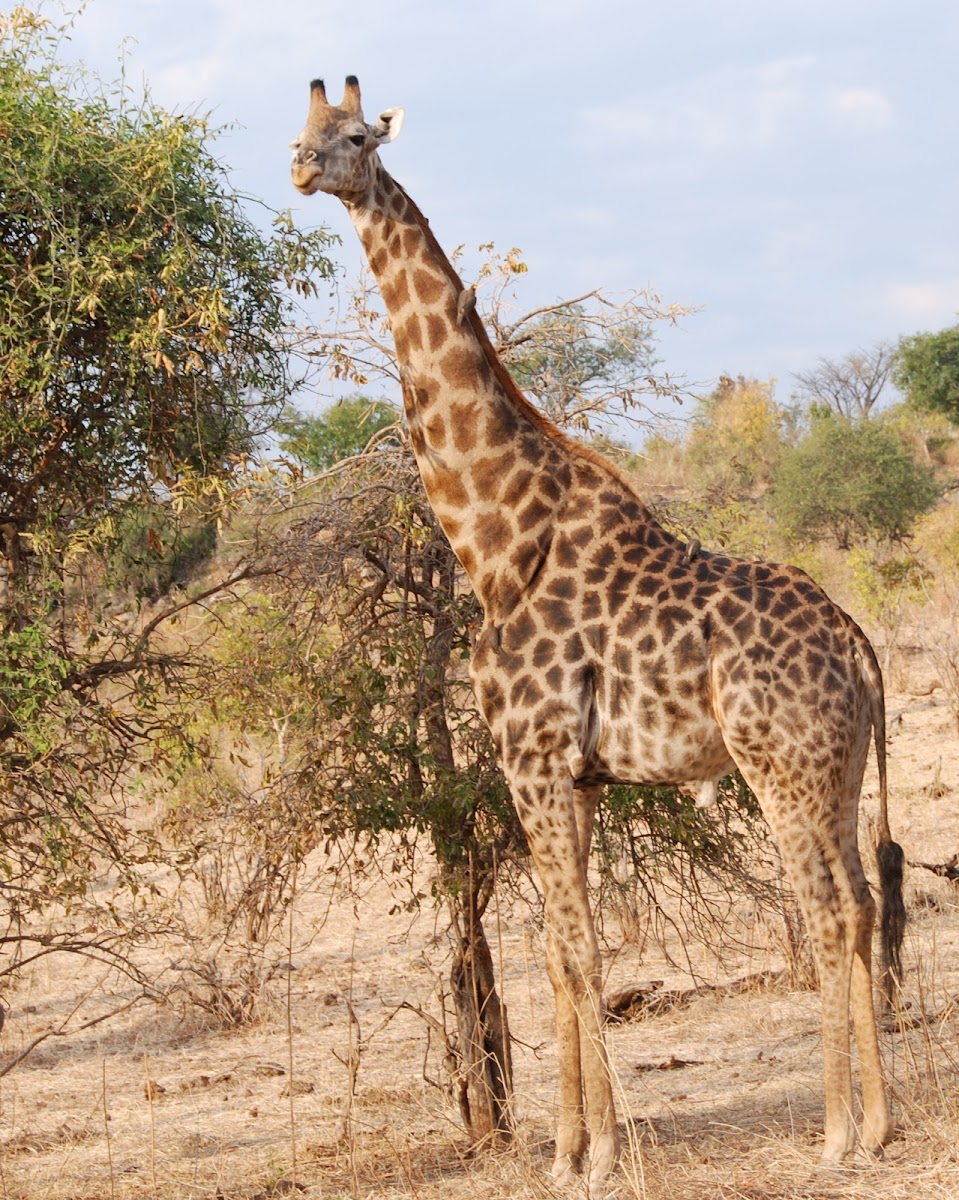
(890, 859)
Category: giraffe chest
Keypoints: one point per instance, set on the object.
(614, 701)
(654, 722)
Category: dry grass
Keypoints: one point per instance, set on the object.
(720, 1096)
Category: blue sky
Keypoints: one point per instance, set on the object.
(791, 169)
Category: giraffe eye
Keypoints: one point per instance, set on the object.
(358, 139)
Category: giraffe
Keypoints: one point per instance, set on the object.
(610, 651)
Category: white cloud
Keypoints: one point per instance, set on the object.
(922, 305)
(790, 248)
(780, 70)
(865, 108)
(779, 102)
(720, 112)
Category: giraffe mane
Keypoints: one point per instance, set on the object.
(506, 381)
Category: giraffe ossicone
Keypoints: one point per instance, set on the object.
(612, 652)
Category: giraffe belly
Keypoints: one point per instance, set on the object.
(698, 780)
(659, 743)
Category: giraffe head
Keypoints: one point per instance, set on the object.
(336, 151)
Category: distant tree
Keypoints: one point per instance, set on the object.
(343, 430)
(737, 435)
(925, 432)
(850, 386)
(928, 371)
(850, 481)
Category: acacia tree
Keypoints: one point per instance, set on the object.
(584, 362)
(143, 318)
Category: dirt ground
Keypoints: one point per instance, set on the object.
(719, 1098)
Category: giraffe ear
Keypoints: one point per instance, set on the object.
(389, 124)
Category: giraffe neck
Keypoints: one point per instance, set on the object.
(495, 471)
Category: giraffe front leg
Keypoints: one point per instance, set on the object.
(601, 1112)
(557, 827)
(604, 1134)
(571, 1136)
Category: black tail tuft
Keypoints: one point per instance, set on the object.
(891, 860)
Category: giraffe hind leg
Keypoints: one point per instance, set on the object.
(840, 913)
(841, 851)
(827, 924)
(877, 1123)
(835, 916)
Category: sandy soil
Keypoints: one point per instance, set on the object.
(720, 1097)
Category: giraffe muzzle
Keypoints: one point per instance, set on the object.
(306, 171)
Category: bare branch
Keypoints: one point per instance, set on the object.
(850, 386)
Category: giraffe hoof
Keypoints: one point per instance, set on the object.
(840, 1161)
(870, 1155)
(566, 1169)
(597, 1191)
(876, 1135)
(830, 1166)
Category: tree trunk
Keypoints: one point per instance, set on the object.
(484, 1082)
(484, 1079)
